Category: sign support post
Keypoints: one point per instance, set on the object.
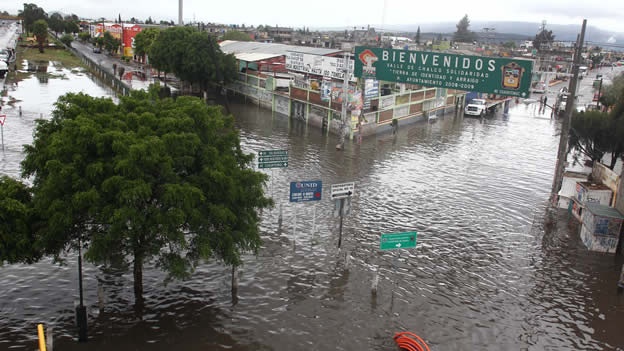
(2, 118)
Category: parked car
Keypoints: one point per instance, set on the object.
(539, 87)
(97, 50)
(4, 68)
(476, 107)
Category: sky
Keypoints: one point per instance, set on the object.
(604, 14)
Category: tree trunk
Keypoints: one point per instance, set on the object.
(138, 276)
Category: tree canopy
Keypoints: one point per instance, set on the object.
(40, 29)
(144, 40)
(463, 34)
(596, 133)
(236, 35)
(30, 14)
(163, 181)
(192, 56)
(543, 39)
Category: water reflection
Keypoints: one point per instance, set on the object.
(489, 272)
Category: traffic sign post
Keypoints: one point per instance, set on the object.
(273, 159)
(2, 118)
(342, 191)
(306, 191)
(393, 241)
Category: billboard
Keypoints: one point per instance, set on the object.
(492, 75)
(331, 67)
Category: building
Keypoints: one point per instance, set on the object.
(310, 87)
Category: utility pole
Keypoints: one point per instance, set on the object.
(565, 125)
(345, 97)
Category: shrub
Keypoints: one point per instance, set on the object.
(67, 39)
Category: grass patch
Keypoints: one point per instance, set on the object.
(31, 53)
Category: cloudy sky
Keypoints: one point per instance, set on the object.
(604, 14)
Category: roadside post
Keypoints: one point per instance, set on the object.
(2, 118)
(304, 191)
(340, 193)
(394, 241)
(273, 159)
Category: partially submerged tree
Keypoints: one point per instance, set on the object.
(145, 180)
(16, 223)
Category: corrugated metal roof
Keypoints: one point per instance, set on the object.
(254, 56)
(248, 47)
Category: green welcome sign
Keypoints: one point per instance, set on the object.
(492, 75)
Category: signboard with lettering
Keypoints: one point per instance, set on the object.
(331, 67)
(342, 190)
(492, 75)
(306, 191)
(392, 241)
(273, 159)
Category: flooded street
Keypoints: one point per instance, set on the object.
(487, 274)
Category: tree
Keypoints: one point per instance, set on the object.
(84, 36)
(67, 39)
(588, 134)
(613, 93)
(463, 34)
(111, 44)
(72, 27)
(543, 39)
(145, 180)
(236, 35)
(193, 56)
(30, 14)
(40, 29)
(509, 44)
(417, 39)
(56, 23)
(16, 223)
(144, 40)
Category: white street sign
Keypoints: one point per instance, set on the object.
(342, 191)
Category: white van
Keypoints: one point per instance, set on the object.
(582, 72)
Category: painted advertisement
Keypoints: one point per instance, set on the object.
(331, 67)
(492, 75)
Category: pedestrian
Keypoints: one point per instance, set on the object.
(20, 111)
(360, 132)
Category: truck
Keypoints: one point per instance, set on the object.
(476, 107)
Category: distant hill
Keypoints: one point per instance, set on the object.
(519, 30)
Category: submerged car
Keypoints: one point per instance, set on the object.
(476, 107)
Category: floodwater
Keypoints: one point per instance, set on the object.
(488, 273)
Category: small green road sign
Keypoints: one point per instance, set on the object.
(273, 159)
(393, 241)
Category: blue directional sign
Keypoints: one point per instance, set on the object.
(306, 191)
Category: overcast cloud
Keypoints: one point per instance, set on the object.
(606, 14)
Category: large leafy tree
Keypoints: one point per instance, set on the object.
(30, 14)
(111, 44)
(144, 40)
(192, 56)
(463, 33)
(40, 29)
(56, 23)
(16, 223)
(147, 179)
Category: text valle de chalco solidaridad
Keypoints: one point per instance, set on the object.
(465, 72)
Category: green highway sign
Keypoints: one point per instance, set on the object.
(392, 241)
(273, 153)
(492, 75)
(273, 159)
(273, 165)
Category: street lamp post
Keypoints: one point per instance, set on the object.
(599, 91)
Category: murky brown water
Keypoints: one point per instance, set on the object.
(487, 273)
